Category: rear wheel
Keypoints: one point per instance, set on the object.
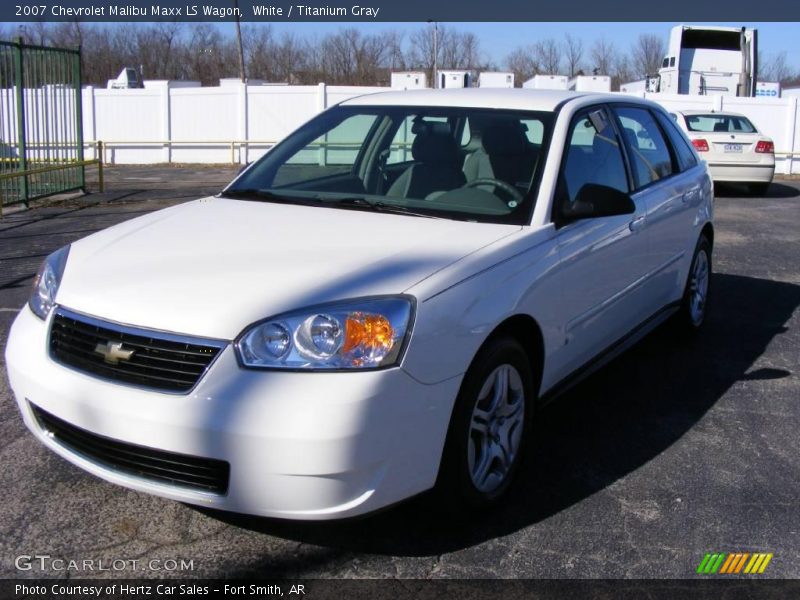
(692, 313)
(488, 427)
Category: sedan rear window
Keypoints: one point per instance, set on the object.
(712, 123)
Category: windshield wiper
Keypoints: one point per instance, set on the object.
(356, 202)
(256, 194)
(379, 206)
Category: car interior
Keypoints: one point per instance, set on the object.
(475, 161)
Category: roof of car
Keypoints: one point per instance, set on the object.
(722, 113)
(512, 99)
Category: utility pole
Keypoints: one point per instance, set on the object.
(435, 52)
(242, 74)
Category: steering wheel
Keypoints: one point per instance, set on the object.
(515, 194)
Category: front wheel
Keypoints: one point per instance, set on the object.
(488, 427)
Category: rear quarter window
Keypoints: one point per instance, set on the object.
(683, 150)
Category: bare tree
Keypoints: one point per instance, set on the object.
(352, 58)
(604, 57)
(775, 68)
(349, 56)
(455, 50)
(421, 49)
(547, 54)
(522, 62)
(259, 51)
(396, 57)
(291, 59)
(646, 54)
(623, 72)
(209, 57)
(573, 54)
(155, 50)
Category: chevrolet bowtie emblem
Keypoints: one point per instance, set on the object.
(113, 353)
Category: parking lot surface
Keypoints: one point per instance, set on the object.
(676, 449)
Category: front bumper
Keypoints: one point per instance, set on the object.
(300, 445)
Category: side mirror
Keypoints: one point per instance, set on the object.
(594, 200)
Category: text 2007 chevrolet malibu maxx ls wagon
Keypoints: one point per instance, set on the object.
(372, 309)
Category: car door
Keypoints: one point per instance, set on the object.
(601, 259)
(671, 195)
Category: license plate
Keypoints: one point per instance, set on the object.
(733, 148)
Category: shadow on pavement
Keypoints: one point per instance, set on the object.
(613, 423)
(740, 190)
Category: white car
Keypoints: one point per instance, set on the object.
(374, 308)
(732, 146)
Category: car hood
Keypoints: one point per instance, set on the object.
(212, 266)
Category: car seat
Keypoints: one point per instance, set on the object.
(437, 167)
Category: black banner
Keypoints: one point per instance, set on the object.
(408, 589)
(392, 10)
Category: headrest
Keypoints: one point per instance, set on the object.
(504, 138)
(435, 147)
(420, 125)
(721, 126)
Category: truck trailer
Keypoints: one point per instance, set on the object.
(704, 60)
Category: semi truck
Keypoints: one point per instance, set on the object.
(704, 60)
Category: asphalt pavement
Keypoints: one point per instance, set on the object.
(676, 449)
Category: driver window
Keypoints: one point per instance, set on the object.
(593, 155)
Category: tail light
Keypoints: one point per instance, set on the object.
(764, 147)
(700, 145)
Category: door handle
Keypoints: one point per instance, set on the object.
(636, 224)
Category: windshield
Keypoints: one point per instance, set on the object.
(457, 163)
(719, 123)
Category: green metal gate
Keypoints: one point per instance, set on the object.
(41, 133)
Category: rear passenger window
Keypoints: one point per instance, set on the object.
(683, 151)
(648, 150)
(592, 156)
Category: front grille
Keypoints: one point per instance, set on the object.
(204, 474)
(159, 361)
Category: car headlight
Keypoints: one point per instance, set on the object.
(358, 334)
(45, 285)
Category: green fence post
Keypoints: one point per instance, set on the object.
(20, 94)
(76, 76)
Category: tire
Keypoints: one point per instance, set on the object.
(694, 304)
(485, 438)
(758, 189)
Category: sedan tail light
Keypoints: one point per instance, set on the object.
(763, 147)
(700, 145)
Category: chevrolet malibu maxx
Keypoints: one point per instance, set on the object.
(375, 308)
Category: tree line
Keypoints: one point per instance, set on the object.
(349, 56)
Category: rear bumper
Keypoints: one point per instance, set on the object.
(742, 173)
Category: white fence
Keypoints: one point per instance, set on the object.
(237, 123)
(231, 123)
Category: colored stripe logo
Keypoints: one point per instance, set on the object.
(734, 563)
